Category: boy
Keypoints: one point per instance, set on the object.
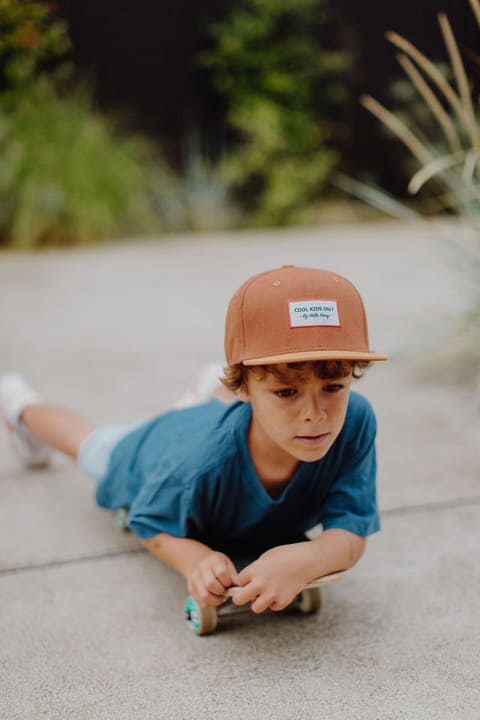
(295, 448)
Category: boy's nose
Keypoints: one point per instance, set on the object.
(313, 410)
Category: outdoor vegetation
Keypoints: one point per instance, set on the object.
(438, 123)
(283, 91)
(67, 173)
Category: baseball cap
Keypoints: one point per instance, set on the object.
(295, 314)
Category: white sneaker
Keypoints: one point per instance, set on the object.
(207, 381)
(15, 395)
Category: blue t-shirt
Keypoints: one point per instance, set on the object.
(189, 473)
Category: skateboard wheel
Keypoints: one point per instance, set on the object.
(201, 621)
(309, 601)
(120, 519)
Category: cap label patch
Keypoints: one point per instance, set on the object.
(308, 313)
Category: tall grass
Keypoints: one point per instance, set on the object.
(448, 170)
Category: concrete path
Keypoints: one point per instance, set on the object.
(92, 628)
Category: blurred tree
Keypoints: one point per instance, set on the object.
(282, 87)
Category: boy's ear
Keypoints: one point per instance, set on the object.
(242, 394)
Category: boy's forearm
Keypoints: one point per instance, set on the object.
(335, 550)
(182, 554)
(330, 552)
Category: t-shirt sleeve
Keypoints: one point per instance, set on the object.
(352, 501)
(162, 505)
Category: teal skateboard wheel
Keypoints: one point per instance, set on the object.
(201, 621)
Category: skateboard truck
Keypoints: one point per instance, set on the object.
(204, 621)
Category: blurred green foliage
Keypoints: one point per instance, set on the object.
(30, 36)
(283, 92)
(68, 175)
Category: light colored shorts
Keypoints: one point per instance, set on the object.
(95, 451)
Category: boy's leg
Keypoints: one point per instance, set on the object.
(59, 427)
(36, 427)
(205, 386)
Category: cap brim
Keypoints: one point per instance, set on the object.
(312, 355)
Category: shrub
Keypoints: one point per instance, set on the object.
(68, 174)
(282, 91)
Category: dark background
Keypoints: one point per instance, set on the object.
(141, 58)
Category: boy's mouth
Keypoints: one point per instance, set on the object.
(312, 439)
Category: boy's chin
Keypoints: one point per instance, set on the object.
(310, 455)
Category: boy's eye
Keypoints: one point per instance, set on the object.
(287, 392)
(333, 387)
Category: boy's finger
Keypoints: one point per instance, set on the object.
(202, 595)
(244, 595)
(212, 583)
(209, 600)
(278, 605)
(221, 573)
(215, 600)
(233, 572)
(243, 577)
(226, 573)
(262, 602)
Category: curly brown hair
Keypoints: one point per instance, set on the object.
(235, 376)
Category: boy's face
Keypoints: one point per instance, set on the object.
(298, 419)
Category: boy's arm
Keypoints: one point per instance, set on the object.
(278, 575)
(182, 554)
(337, 549)
(208, 573)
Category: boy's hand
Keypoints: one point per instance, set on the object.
(210, 578)
(275, 578)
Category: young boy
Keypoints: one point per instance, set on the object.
(283, 446)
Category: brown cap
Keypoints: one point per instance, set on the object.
(296, 314)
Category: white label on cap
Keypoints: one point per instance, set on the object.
(307, 313)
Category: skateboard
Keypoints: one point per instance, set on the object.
(204, 621)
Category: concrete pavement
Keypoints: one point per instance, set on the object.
(91, 627)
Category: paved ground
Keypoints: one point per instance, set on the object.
(92, 628)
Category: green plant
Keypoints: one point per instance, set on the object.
(446, 152)
(68, 174)
(31, 36)
(282, 91)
